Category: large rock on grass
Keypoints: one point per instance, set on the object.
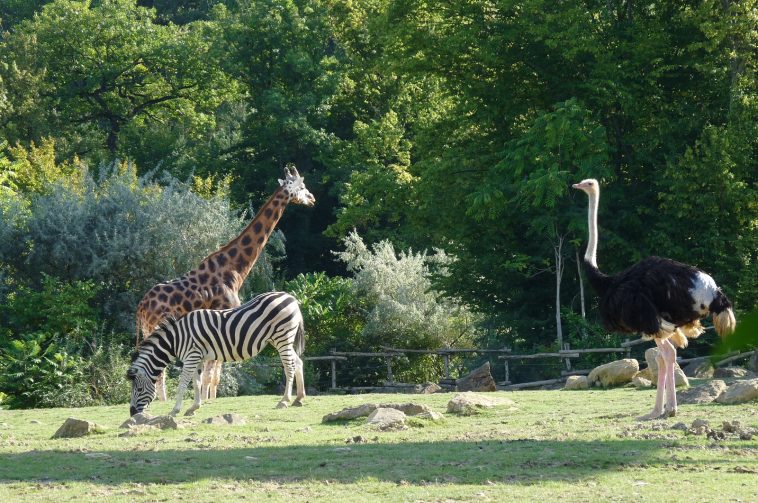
(699, 369)
(733, 373)
(409, 408)
(385, 418)
(740, 392)
(73, 428)
(143, 418)
(614, 373)
(468, 403)
(651, 358)
(478, 380)
(576, 382)
(705, 393)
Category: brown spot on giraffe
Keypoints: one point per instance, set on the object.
(176, 297)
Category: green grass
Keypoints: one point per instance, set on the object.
(552, 446)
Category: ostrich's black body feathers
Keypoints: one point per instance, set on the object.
(636, 299)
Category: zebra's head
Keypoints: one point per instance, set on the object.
(143, 390)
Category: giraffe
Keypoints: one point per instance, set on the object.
(216, 282)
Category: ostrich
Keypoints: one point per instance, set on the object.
(659, 298)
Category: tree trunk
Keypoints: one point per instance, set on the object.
(558, 250)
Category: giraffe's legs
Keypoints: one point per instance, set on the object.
(300, 382)
(205, 380)
(160, 386)
(215, 378)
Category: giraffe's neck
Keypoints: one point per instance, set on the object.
(590, 256)
(233, 262)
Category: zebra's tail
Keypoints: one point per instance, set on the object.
(300, 339)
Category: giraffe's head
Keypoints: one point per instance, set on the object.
(294, 186)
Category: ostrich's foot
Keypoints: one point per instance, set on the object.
(282, 405)
(654, 414)
(668, 413)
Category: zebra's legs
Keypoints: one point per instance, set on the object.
(299, 381)
(288, 363)
(160, 386)
(198, 395)
(188, 374)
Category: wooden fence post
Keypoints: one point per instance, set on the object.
(568, 360)
(390, 377)
(628, 349)
(507, 372)
(446, 361)
(334, 370)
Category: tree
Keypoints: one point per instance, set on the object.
(104, 71)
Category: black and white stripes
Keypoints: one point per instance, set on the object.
(227, 335)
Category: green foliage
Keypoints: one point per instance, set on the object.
(106, 70)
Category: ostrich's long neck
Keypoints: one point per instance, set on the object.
(590, 256)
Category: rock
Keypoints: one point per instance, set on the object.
(576, 382)
(468, 403)
(733, 373)
(137, 419)
(143, 418)
(138, 429)
(652, 363)
(431, 416)
(226, 419)
(752, 363)
(614, 373)
(640, 382)
(702, 369)
(697, 423)
(427, 388)
(731, 426)
(351, 412)
(35, 421)
(386, 418)
(680, 426)
(478, 380)
(410, 409)
(739, 392)
(73, 428)
(705, 393)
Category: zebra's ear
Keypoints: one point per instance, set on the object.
(135, 354)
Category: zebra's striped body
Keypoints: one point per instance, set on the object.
(226, 335)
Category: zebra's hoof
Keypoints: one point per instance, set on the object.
(297, 403)
(173, 413)
(190, 412)
(282, 405)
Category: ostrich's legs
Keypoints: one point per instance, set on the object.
(670, 358)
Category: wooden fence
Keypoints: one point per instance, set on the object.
(504, 354)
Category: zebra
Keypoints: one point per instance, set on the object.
(227, 335)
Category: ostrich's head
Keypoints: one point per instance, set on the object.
(294, 185)
(590, 186)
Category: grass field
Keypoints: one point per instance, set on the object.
(550, 446)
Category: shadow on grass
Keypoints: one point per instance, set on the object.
(507, 461)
